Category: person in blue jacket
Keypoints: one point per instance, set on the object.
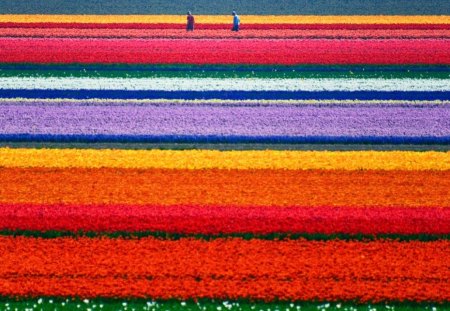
(236, 21)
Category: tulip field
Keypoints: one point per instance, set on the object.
(302, 163)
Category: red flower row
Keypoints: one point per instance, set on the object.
(225, 219)
(426, 51)
(225, 269)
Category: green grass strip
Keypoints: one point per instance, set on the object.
(225, 71)
(246, 236)
(222, 67)
(225, 74)
(54, 304)
(194, 146)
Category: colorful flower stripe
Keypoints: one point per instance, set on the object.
(215, 84)
(242, 188)
(213, 220)
(217, 123)
(216, 34)
(225, 19)
(210, 26)
(229, 95)
(225, 51)
(212, 159)
(226, 268)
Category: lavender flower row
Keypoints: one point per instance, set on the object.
(295, 121)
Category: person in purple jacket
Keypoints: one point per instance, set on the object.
(190, 22)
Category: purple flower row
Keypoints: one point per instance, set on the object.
(149, 119)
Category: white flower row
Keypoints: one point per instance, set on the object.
(214, 84)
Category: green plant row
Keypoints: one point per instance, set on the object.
(246, 236)
(54, 304)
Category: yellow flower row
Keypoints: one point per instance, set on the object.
(209, 159)
(225, 19)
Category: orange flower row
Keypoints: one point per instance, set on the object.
(180, 33)
(225, 187)
(225, 268)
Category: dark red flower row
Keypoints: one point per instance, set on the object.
(225, 219)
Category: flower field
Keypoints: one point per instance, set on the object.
(302, 163)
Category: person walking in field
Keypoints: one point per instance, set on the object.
(236, 21)
(190, 22)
